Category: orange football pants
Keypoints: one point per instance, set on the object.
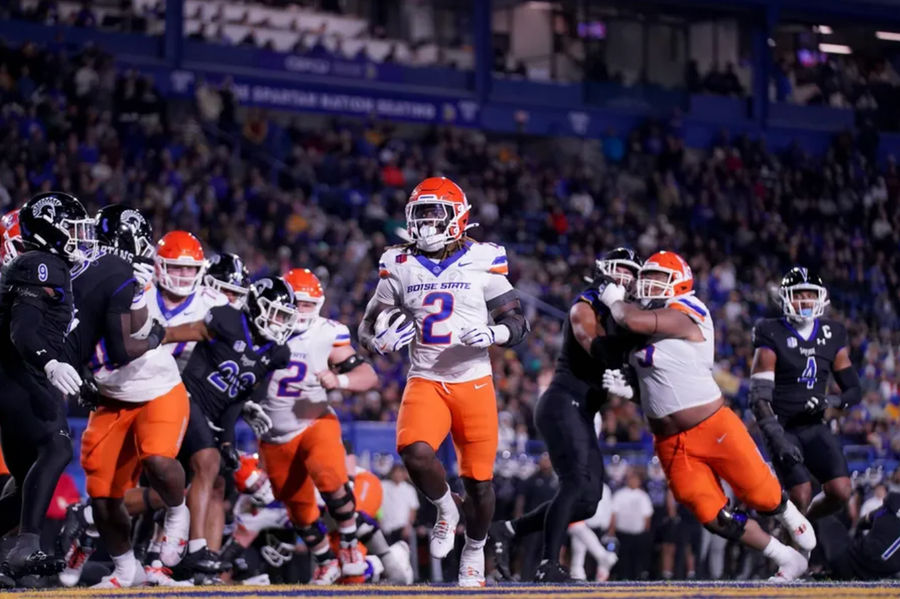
(313, 459)
(718, 448)
(120, 434)
(431, 409)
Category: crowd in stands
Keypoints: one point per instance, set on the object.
(285, 191)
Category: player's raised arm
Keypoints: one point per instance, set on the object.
(189, 331)
(662, 322)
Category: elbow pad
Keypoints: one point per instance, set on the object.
(506, 309)
(349, 364)
(851, 389)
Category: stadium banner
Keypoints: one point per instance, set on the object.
(286, 96)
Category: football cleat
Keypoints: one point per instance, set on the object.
(328, 572)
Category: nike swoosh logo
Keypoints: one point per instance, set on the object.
(461, 264)
(481, 386)
(722, 438)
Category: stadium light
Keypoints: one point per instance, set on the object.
(835, 49)
(822, 29)
(888, 36)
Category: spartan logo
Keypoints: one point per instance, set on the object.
(264, 284)
(132, 219)
(46, 208)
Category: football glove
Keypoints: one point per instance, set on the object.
(393, 336)
(143, 273)
(63, 376)
(818, 404)
(615, 384)
(89, 394)
(480, 336)
(610, 293)
(256, 417)
(231, 459)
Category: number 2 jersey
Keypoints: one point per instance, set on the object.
(803, 364)
(194, 307)
(309, 355)
(447, 298)
(223, 371)
(676, 374)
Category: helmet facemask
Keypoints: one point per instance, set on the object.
(305, 316)
(653, 288)
(276, 321)
(81, 245)
(623, 272)
(433, 223)
(809, 307)
(179, 284)
(239, 293)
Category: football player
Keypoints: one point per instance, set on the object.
(564, 415)
(227, 274)
(303, 450)
(440, 294)
(10, 237)
(36, 306)
(143, 405)
(237, 350)
(178, 297)
(697, 438)
(794, 357)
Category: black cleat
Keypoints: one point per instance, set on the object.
(203, 561)
(500, 538)
(551, 573)
(37, 563)
(72, 530)
(6, 579)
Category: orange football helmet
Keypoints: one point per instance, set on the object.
(437, 213)
(10, 236)
(179, 248)
(307, 289)
(679, 281)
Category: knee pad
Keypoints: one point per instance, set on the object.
(730, 524)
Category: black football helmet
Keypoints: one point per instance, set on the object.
(608, 265)
(56, 222)
(125, 231)
(227, 273)
(272, 310)
(799, 279)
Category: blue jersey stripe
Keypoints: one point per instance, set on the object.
(693, 306)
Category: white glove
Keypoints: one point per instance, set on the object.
(256, 417)
(143, 273)
(480, 336)
(615, 384)
(611, 294)
(392, 337)
(63, 376)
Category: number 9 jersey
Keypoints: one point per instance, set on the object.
(447, 298)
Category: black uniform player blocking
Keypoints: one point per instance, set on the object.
(222, 373)
(803, 368)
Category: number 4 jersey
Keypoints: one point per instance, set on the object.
(803, 364)
(309, 356)
(224, 370)
(447, 298)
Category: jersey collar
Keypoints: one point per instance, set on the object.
(437, 268)
(169, 314)
(812, 334)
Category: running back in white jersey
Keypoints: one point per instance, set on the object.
(194, 307)
(309, 356)
(447, 298)
(676, 374)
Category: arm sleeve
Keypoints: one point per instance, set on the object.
(26, 318)
(228, 422)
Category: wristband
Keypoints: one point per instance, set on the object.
(343, 381)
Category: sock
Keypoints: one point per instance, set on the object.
(196, 545)
(473, 545)
(324, 554)
(445, 503)
(175, 515)
(776, 550)
(348, 533)
(125, 565)
(88, 513)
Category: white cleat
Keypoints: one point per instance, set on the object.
(798, 526)
(471, 568)
(327, 573)
(578, 574)
(397, 567)
(114, 582)
(76, 557)
(604, 569)
(792, 568)
(443, 534)
(176, 531)
(160, 576)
